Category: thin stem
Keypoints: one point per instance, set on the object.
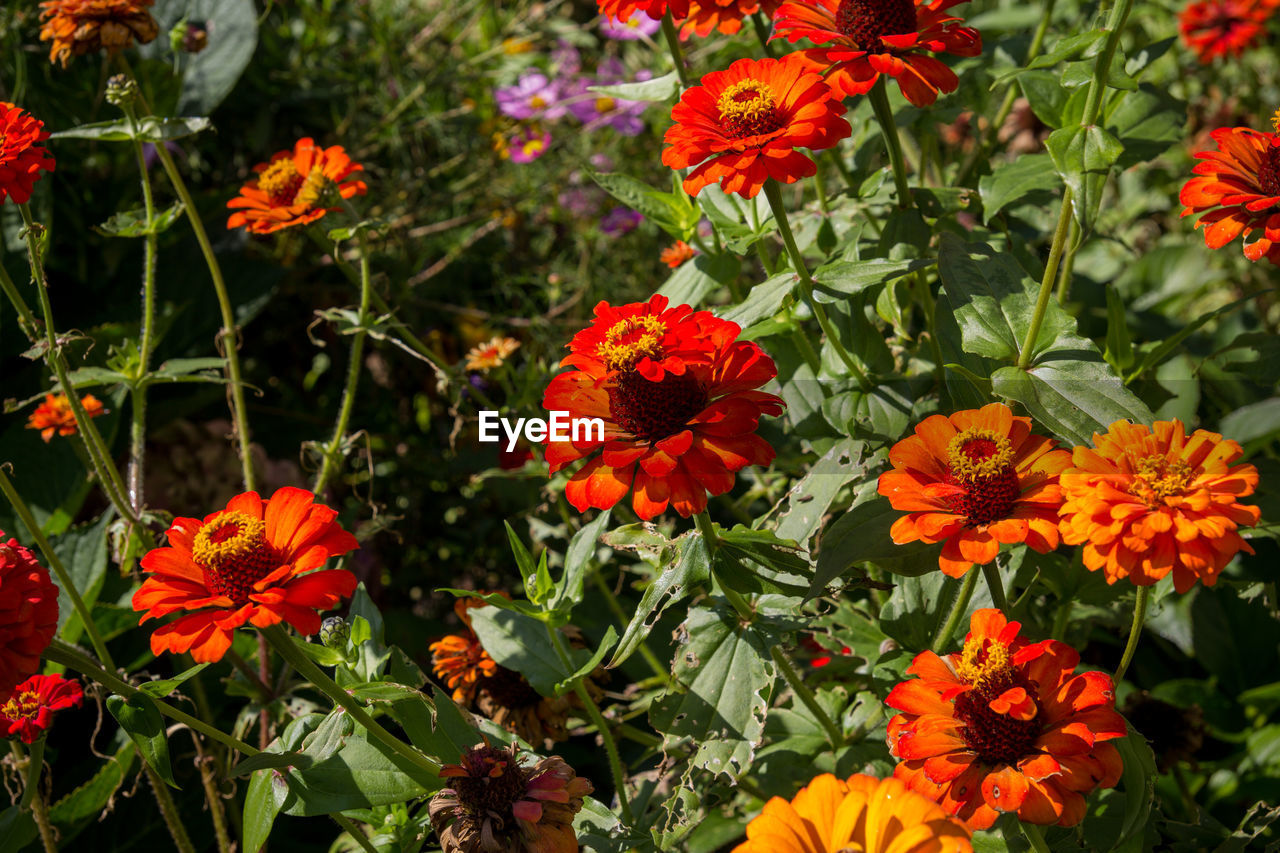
(138, 421)
(26, 320)
(889, 128)
(209, 781)
(60, 652)
(55, 562)
(1046, 282)
(308, 669)
(835, 737)
(1035, 837)
(40, 809)
(774, 195)
(1068, 263)
(958, 608)
(673, 45)
(762, 34)
(328, 466)
(991, 572)
(1061, 618)
(349, 826)
(706, 529)
(602, 726)
(169, 811)
(1135, 631)
(645, 652)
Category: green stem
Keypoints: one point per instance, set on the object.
(1135, 631)
(212, 796)
(673, 45)
(1035, 837)
(138, 421)
(33, 798)
(706, 529)
(55, 562)
(835, 737)
(774, 195)
(169, 811)
(60, 652)
(645, 652)
(328, 465)
(349, 826)
(991, 572)
(1047, 280)
(26, 320)
(958, 608)
(889, 128)
(602, 726)
(1060, 620)
(762, 33)
(1068, 263)
(308, 669)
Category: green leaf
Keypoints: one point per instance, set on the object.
(149, 129)
(84, 552)
(1080, 46)
(1073, 398)
(359, 775)
(1147, 122)
(141, 720)
(1119, 351)
(88, 800)
(162, 688)
(263, 799)
(680, 574)
(693, 281)
(721, 680)
(17, 830)
(592, 662)
(1138, 782)
(1172, 343)
(662, 88)
(133, 223)
(519, 642)
(673, 212)
(578, 560)
(1016, 181)
(1253, 421)
(861, 535)
(270, 761)
(1083, 157)
(838, 280)
(801, 512)
(757, 561)
(763, 300)
(210, 75)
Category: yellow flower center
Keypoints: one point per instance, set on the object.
(630, 340)
(978, 454)
(981, 669)
(23, 706)
(605, 105)
(532, 147)
(537, 102)
(281, 181)
(1275, 121)
(233, 551)
(1159, 477)
(747, 108)
(1000, 710)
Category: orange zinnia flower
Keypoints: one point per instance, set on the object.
(1239, 190)
(54, 415)
(250, 563)
(723, 15)
(873, 37)
(742, 125)
(294, 188)
(622, 10)
(492, 353)
(674, 389)
(22, 158)
(1005, 726)
(862, 813)
(30, 711)
(28, 614)
(677, 253)
(77, 27)
(459, 659)
(975, 480)
(1149, 501)
(1214, 28)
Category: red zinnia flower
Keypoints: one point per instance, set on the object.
(250, 563)
(674, 389)
(294, 188)
(28, 614)
(723, 15)
(54, 415)
(742, 125)
(1215, 28)
(1239, 190)
(30, 710)
(1005, 726)
(975, 480)
(21, 157)
(622, 10)
(873, 37)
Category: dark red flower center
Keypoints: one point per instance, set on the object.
(865, 21)
(749, 108)
(234, 553)
(1269, 171)
(1000, 710)
(981, 463)
(23, 706)
(655, 410)
(491, 781)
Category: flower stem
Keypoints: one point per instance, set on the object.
(889, 129)
(349, 826)
(26, 320)
(835, 737)
(706, 529)
(602, 726)
(308, 669)
(1060, 620)
(762, 33)
(1046, 282)
(774, 195)
(169, 811)
(645, 652)
(1035, 837)
(212, 796)
(991, 572)
(958, 608)
(673, 45)
(55, 562)
(328, 466)
(60, 652)
(1135, 631)
(31, 794)
(138, 422)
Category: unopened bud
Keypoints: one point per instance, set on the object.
(122, 90)
(334, 632)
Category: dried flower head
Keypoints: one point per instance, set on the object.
(77, 27)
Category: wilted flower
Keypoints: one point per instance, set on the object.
(493, 804)
(294, 188)
(77, 27)
(29, 712)
(533, 96)
(1005, 725)
(620, 220)
(28, 614)
(22, 158)
(54, 415)
(1150, 501)
(492, 353)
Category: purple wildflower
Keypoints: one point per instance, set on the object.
(532, 96)
(595, 109)
(619, 221)
(528, 144)
(634, 29)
